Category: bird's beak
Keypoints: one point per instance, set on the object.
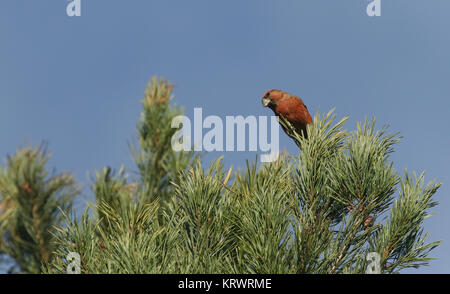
(266, 101)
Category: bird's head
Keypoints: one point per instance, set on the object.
(273, 97)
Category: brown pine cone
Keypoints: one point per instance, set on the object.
(368, 222)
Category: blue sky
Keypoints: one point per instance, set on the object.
(77, 82)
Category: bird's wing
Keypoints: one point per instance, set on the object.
(295, 111)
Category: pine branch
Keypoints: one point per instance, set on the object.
(30, 204)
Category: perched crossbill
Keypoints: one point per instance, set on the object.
(291, 108)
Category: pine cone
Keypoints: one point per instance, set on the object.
(368, 222)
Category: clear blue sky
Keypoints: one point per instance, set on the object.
(77, 82)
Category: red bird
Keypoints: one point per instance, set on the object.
(291, 108)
